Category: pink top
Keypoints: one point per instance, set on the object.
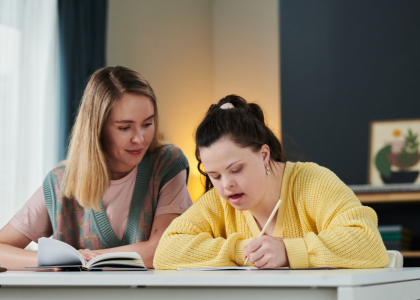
(34, 222)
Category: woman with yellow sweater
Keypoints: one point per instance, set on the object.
(320, 221)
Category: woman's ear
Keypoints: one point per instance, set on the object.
(265, 154)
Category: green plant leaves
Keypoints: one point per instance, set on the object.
(408, 156)
(411, 145)
(406, 160)
(382, 163)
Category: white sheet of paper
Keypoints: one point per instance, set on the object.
(247, 268)
(53, 252)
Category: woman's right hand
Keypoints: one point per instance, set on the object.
(267, 252)
(88, 254)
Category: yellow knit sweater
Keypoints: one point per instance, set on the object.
(321, 221)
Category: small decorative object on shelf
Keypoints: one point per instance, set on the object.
(396, 237)
(394, 152)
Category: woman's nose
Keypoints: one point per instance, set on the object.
(138, 137)
(227, 183)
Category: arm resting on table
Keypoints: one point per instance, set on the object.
(198, 239)
(341, 232)
(12, 253)
(146, 249)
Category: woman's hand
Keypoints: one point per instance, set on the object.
(267, 252)
(89, 254)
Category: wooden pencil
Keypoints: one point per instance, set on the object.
(273, 213)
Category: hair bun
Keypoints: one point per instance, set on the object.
(256, 111)
(236, 101)
(239, 102)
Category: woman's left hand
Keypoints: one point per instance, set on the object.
(267, 252)
(89, 254)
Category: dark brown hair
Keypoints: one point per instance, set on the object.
(244, 125)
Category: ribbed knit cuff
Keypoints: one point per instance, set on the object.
(240, 244)
(297, 253)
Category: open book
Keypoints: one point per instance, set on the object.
(56, 254)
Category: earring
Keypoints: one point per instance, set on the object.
(267, 170)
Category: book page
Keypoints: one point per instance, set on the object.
(218, 268)
(57, 253)
(118, 264)
(117, 258)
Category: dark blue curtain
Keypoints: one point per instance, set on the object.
(82, 29)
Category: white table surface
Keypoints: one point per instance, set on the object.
(262, 278)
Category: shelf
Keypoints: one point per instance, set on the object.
(410, 254)
(389, 197)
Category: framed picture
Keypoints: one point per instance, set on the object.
(394, 154)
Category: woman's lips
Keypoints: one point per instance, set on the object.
(135, 152)
(236, 198)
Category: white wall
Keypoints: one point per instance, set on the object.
(194, 52)
(246, 57)
(168, 42)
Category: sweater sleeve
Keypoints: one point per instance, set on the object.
(198, 239)
(342, 233)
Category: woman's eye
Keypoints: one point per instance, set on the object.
(237, 170)
(124, 128)
(218, 177)
(148, 124)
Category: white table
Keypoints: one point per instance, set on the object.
(383, 284)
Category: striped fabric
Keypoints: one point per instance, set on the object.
(84, 228)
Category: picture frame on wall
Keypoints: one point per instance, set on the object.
(394, 154)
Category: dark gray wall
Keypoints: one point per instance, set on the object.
(343, 64)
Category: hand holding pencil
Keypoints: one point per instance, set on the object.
(267, 251)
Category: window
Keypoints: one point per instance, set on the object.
(29, 99)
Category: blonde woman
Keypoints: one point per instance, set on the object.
(119, 188)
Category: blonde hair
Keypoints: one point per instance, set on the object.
(86, 175)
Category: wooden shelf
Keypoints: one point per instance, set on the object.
(389, 197)
(411, 254)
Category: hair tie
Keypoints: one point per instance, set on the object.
(227, 106)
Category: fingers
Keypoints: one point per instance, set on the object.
(255, 256)
(266, 252)
(262, 262)
(261, 257)
(265, 261)
(87, 254)
(83, 251)
(91, 255)
(255, 244)
(252, 246)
